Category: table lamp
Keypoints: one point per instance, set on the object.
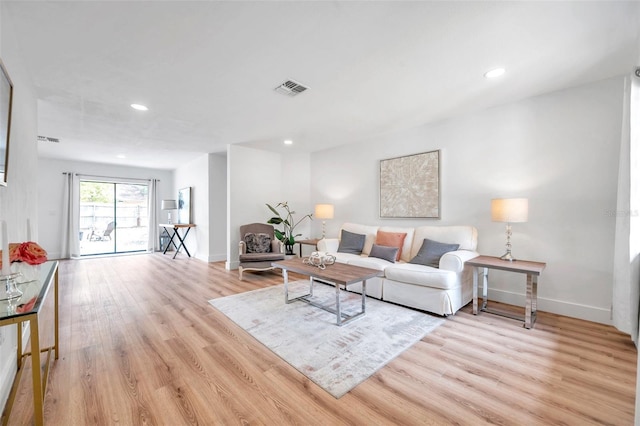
(509, 210)
(324, 211)
(169, 205)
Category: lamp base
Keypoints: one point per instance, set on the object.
(507, 256)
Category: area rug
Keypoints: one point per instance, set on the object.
(335, 358)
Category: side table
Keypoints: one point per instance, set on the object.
(532, 271)
(312, 242)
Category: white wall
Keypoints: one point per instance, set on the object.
(257, 177)
(195, 174)
(51, 192)
(217, 207)
(18, 200)
(560, 150)
(253, 179)
(296, 177)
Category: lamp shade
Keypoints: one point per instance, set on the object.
(324, 211)
(169, 205)
(510, 210)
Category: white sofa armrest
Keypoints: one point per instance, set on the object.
(328, 245)
(454, 260)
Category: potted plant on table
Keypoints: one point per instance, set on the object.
(288, 223)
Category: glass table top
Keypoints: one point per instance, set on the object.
(33, 293)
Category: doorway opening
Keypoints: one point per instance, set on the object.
(114, 217)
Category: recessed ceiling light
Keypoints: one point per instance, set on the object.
(139, 107)
(288, 142)
(121, 156)
(496, 72)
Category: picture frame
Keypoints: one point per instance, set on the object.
(6, 103)
(184, 205)
(410, 186)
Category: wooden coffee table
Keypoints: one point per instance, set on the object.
(338, 274)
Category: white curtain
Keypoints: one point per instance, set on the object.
(70, 215)
(153, 243)
(626, 277)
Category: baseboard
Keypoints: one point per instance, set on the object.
(217, 257)
(230, 266)
(574, 310)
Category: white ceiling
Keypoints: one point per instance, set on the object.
(207, 70)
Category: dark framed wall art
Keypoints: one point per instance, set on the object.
(410, 186)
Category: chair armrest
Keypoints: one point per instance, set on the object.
(454, 260)
(242, 248)
(277, 246)
(328, 245)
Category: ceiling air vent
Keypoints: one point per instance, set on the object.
(290, 88)
(48, 139)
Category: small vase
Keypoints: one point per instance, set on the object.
(27, 272)
(8, 289)
(288, 249)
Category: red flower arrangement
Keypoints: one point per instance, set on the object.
(28, 252)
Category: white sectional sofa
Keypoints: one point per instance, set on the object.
(442, 290)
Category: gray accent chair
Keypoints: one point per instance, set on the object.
(258, 261)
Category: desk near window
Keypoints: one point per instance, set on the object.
(176, 234)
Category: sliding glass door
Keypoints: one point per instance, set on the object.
(113, 217)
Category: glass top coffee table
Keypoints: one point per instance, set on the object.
(338, 274)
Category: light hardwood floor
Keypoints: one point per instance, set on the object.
(141, 345)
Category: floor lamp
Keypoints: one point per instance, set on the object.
(169, 205)
(324, 211)
(509, 210)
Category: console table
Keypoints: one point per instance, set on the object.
(27, 309)
(176, 227)
(532, 271)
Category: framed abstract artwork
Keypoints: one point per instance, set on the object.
(184, 205)
(410, 186)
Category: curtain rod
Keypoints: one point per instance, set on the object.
(108, 177)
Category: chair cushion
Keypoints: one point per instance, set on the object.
(391, 239)
(258, 257)
(257, 243)
(351, 243)
(431, 252)
(390, 254)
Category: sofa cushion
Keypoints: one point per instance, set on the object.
(405, 253)
(257, 242)
(347, 257)
(431, 252)
(367, 230)
(421, 275)
(466, 236)
(390, 239)
(351, 242)
(370, 262)
(390, 254)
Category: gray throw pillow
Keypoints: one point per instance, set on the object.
(351, 243)
(384, 252)
(431, 252)
(257, 243)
